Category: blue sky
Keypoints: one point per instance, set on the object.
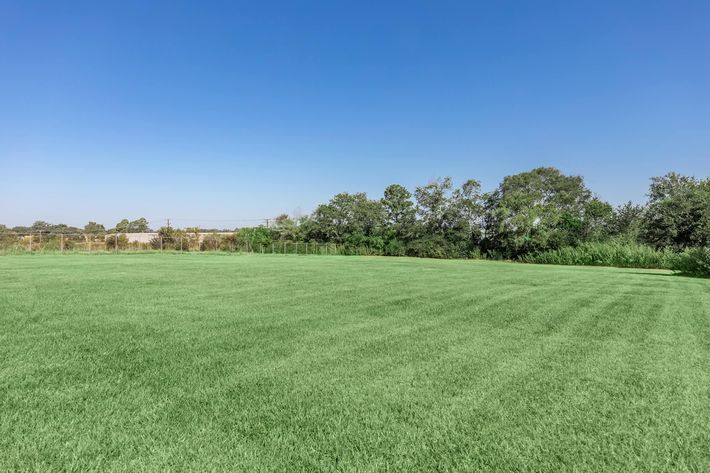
(226, 111)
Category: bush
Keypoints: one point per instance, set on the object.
(438, 247)
(694, 261)
(172, 240)
(57, 243)
(395, 248)
(622, 255)
(210, 242)
(111, 241)
(10, 241)
(229, 243)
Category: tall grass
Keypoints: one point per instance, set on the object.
(622, 255)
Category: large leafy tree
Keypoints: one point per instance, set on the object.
(138, 226)
(432, 205)
(285, 228)
(93, 228)
(597, 220)
(351, 218)
(465, 213)
(123, 226)
(536, 210)
(627, 220)
(41, 227)
(678, 212)
(450, 218)
(399, 212)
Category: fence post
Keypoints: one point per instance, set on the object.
(115, 249)
(161, 243)
(30, 247)
(61, 242)
(181, 244)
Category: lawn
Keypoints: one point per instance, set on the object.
(307, 363)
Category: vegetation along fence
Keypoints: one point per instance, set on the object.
(119, 242)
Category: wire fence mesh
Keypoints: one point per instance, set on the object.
(20, 243)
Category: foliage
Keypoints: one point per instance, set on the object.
(170, 238)
(94, 229)
(399, 214)
(535, 211)
(136, 226)
(538, 214)
(116, 239)
(694, 261)
(211, 242)
(284, 228)
(626, 221)
(347, 218)
(619, 254)
(253, 237)
(678, 213)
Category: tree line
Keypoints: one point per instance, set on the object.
(529, 213)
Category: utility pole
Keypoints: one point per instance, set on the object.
(168, 224)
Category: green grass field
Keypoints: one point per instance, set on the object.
(287, 363)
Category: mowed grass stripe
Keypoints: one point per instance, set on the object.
(275, 363)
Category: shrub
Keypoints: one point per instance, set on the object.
(622, 255)
(229, 243)
(57, 243)
(210, 242)
(10, 241)
(395, 247)
(694, 261)
(112, 240)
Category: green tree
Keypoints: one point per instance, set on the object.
(40, 227)
(678, 212)
(93, 228)
(399, 212)
(627, 220)
(138, 226)
(466, 214)
(432, 203)
(123, 226)
(351, 218)
(597, 220)
(254, 236)
(536, 210)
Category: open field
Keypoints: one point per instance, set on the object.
(288, 363)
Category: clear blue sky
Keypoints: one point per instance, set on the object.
(238, 110)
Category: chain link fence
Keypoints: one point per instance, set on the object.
(25, 243)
